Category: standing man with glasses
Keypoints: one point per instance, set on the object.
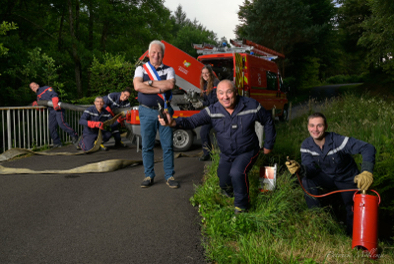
(154, 82)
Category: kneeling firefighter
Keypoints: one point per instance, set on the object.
(327, 162)
(93, 119)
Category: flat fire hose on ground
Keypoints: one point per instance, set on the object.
(98, 167)
(103, 166)
(11, 153)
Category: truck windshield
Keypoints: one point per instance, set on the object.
(223, 67)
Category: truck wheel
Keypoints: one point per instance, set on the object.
(182, 139)
(285, 114)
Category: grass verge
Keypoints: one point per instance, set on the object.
(279, 227)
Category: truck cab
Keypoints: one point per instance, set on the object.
(254, 73)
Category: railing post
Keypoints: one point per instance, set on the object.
(9, 129)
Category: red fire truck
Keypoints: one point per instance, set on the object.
(248, 64)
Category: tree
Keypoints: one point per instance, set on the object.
(351, 15)
(187, 32)
(73, 32)
(297, 28)
(378, 35)
(4, 28)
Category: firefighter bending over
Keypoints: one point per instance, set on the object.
(56, 115)
(233, 118)
(327, 162)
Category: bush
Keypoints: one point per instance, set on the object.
(114, 74)
(339, 79)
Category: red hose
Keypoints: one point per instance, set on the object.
(323, 195)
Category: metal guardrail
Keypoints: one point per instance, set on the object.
(27, 127)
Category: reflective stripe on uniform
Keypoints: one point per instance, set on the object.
(342, 146)
(252, 111)
(113, 102)
(95, 114)
(217, 115)
(313, 153)
(331, 152)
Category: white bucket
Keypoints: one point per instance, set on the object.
(268, 178)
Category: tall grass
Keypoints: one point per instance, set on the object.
(279, 228)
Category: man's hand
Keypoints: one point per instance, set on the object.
(267, 151)
(171, 122)
(96, 124)
(293, 166)
(120, 120)
(100, 125)
(364, 180)
(35, 103)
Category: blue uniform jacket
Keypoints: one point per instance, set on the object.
(336, 160)
(46, 93)
(91, 114)
(113, 101)
(235, 133)
(211, 98)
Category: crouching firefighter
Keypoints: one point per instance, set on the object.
(233, 117)
(93, 119)
(327, 162)
(113, 101)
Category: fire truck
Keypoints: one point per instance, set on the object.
(248, 64)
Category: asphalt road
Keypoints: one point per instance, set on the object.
(99, 218)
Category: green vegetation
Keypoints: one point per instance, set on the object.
(59, 43)
(4, 28)
(113, 75)
(279, 228)
(73, 37)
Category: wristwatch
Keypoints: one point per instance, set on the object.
(150, 82)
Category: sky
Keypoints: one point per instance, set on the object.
(219, 16)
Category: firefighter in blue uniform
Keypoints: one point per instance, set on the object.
(92, 119)
(56, 114)
(117, 100)
(233, 118)
(327, 162)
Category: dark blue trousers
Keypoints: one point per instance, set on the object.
(323, 181)
(87, 140)
(233, 176)
(205, 139)
(57, 118)
(115, 131)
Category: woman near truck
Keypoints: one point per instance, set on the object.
(208, 84)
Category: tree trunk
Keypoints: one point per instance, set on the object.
(104, 35)
(90, 26)
(75, 55)
(59, 40)
(77, 19)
